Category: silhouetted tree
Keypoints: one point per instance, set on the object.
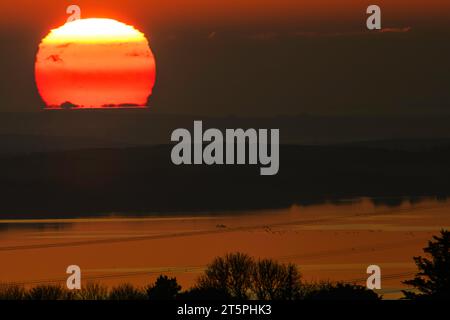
(164, 288)
(272, 280)
(340, 291)
(11, 291)
(126, 291)
(291, 286)
(231, 274)
(433, 278)
(92, 291)
(202, 293)
(49, 292)
(68, 105)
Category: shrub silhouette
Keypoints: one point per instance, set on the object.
(275, 281)
(126, 291)
(49, 292)
(433, 278)
(11, 291)
(204, 293)
(231, 274)
(339, 291)
(164, 288)
(92, 291)
(68, 105)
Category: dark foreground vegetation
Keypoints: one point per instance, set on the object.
(143, 180)
(232, 277)
(238, 276)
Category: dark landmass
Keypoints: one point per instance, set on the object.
(147, 126)
(136, 180)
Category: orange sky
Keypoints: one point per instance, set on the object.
(52, 12)
(188, 62)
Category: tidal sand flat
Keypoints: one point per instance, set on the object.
(330, 241)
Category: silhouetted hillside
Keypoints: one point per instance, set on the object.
(83, 129)
(144, 180)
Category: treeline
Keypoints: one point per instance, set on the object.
(235, 276)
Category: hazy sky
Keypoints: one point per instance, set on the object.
(252, 57)
(51, 12)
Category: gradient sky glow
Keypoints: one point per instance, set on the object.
(50, 13)
(254, 57)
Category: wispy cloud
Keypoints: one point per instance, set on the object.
(54, 58)
(311, 34)
(212, 35)
(264, 35)
(404, 29)
(352, 33)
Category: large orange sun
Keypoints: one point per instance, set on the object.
(95, 63)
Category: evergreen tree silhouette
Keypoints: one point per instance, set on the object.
(165, 288)
(433, 279)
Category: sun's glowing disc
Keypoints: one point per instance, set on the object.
(95, 63)
(94, 30)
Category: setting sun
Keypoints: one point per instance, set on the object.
(95, 63)
(94, 31)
